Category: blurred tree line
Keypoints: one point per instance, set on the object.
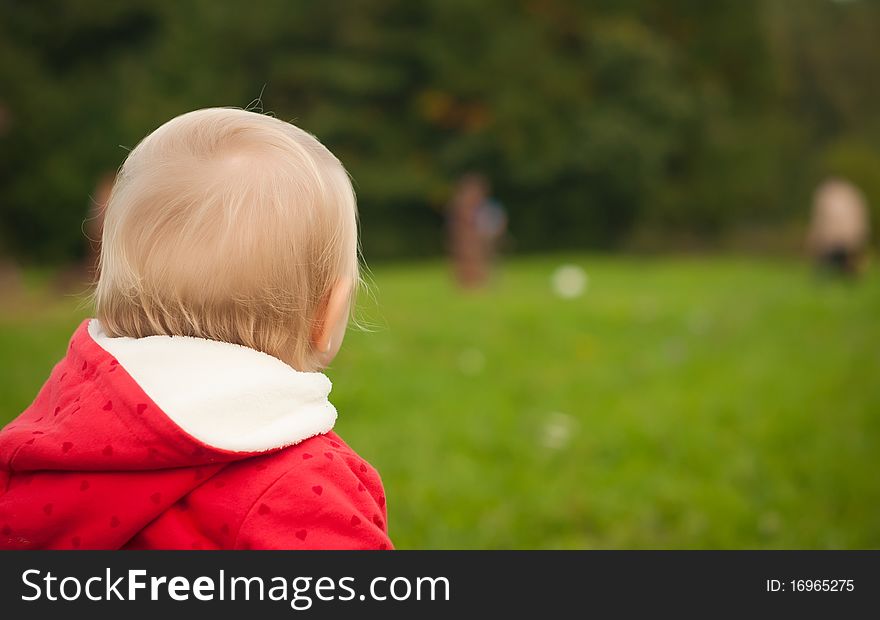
(596, 121)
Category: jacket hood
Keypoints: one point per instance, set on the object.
(148, 418)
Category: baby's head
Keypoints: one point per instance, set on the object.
(233, 226)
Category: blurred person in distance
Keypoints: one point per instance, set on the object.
(839, 228)
(477, 224)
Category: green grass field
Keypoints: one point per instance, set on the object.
(678, 403)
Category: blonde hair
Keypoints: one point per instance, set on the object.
(228, 225)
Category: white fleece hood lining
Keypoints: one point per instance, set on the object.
(225, 395)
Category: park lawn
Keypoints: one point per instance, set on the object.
(677, 403)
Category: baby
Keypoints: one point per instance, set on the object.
(191, 413)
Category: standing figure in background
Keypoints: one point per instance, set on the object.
(476, 226)
(838, 235)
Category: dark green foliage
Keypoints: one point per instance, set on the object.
(594, 120)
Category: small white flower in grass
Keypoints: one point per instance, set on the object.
(570, 281)
(471, 361)
(557, 430)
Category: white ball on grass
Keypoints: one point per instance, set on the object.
(570, 281)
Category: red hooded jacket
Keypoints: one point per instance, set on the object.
(182, 443)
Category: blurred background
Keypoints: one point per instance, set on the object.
(621, 291)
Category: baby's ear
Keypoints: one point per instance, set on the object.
(332, 312)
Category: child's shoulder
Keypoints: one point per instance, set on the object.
(326, 452)
(320, 487)
(322, 458)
